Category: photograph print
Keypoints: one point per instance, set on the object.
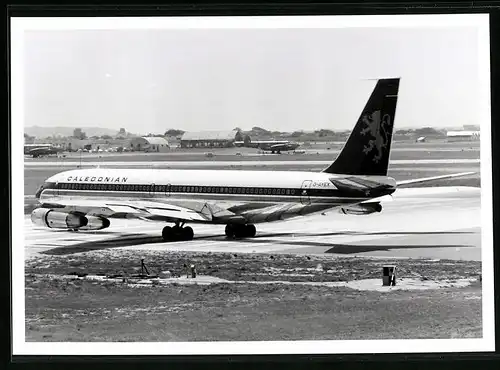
(251, 185)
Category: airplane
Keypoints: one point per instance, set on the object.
(270, 145)
(38, 151)
(355, 183)
(28, 147)
(279, 147)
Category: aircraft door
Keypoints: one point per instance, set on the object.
(168, 189)
(304, 192)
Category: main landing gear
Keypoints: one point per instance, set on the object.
(240, 231)
(177, 233)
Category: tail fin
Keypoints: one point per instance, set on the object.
(367, 149)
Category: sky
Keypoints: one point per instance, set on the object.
(148, 81)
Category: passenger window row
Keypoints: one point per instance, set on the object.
(178, 189)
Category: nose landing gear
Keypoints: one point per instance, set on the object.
(240, 231)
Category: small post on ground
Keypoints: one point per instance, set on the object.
(193, 271)
(143, 267)
(389, 275)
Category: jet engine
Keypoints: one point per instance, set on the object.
(67, 220)
(362, 209)
(95, 223)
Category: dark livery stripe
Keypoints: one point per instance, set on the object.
(342, 191)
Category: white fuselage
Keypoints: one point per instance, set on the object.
(258, 196)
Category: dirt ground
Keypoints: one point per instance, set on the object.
(64, 304)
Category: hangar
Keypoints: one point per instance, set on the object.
(219, 139)
(149, 144)
(453, 136)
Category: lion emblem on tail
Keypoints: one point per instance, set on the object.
(377, 128)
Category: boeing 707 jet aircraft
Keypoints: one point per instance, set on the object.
(86, 199)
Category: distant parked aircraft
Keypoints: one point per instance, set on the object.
(28, 147)
(273, 146)
(37, 150)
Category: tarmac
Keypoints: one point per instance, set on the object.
(436, 223)
(75, 164)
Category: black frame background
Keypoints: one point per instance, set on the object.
(242, 8)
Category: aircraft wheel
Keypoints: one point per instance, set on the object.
(177, 233)
(167, 233)
(187, 233)
(229, 231)
(250, 230)
(240, 231)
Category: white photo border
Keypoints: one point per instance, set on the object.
(20, 347)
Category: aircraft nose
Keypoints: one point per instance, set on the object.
(39, 192)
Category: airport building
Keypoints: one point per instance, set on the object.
(74, 144)
(454, 136)
(202, 139)
(471, 127)
(149, 144)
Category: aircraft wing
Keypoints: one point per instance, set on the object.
(427, 179)
(384, 198)
(133, 208)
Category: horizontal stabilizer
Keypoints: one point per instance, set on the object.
(427, 179)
